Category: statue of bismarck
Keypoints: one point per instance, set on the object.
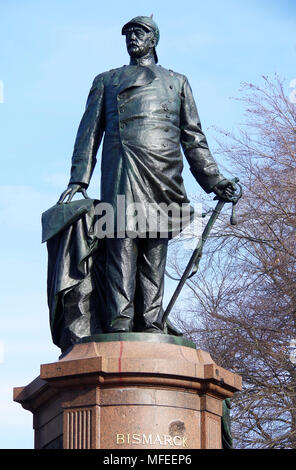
(146, 113)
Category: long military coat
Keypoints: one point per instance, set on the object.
(146, 114)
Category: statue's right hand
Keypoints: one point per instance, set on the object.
(70, 192)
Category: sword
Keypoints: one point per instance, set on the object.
(193, 264)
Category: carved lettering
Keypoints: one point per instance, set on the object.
(150, 439)
(145, 440)
(168, 440)
(119, 438)
(137, 438)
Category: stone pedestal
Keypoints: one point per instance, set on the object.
(124, 394)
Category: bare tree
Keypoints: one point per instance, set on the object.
(241, 305)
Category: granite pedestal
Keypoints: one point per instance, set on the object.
(133, 391)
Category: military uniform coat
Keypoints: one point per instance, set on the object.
(146, 114)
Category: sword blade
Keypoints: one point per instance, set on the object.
(194, 261)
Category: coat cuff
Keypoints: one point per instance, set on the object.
(207, 182)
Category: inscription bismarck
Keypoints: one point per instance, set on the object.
(152, 439)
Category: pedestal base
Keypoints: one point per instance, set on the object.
(129, 395)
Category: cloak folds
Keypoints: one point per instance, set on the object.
(76, 272)
(76, 279)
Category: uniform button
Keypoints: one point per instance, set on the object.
(121, 96)
(171, 87)
(122, 109)
(166, 129)
(122, 125)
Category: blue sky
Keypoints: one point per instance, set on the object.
(50, 52)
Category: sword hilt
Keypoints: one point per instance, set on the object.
(233, 219)
(235, 199)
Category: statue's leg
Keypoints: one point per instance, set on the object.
(121, 265)
(150, 284)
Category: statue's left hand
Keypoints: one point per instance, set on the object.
(225, 190)
(71, 191)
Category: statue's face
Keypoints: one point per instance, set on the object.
(139, 41)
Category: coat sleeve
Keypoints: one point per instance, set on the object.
(194, 143)
(89, 135)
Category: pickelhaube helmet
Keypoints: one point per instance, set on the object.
(149, 24)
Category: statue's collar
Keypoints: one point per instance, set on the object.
(144, 61)
(133, 76)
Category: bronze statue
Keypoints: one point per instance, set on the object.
(146, 113)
